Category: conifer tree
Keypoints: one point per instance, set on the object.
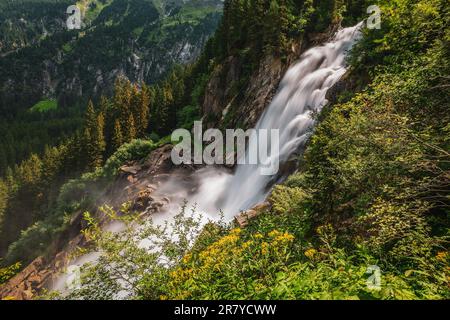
(51, 162)
(98, 142)
(160, 111)
(94, 137)
(3, 199)
(130, 128)
(143, 110)
(117, 136)
(90, 116)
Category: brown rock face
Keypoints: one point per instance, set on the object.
(229, 103)
(223, 105)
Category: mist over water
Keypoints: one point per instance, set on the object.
(301, 93)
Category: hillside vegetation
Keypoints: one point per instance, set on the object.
(41, 60)
(371, 191)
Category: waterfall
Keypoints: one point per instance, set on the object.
(301, 93)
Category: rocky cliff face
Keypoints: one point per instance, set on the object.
(24, 23)
(229, 103)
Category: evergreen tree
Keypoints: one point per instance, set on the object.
(275, 26)
(117, 136)
(160, 111)
(90, 116)
(130, 129)
(143, 110)
(3, 199)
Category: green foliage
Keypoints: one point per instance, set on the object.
(72, 197)
(3, 199)
(136, 149)
(372, 187)
(235, 263)
(44, 106)
(9, 272)
(146, 269)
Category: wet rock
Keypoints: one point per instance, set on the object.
(143, 200)
(132, 179)
(134, 169)
(159, 161)
(245, 216)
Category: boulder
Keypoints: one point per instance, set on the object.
(143, 199)
(134, 169)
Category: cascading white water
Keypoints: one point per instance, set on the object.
(302, 92)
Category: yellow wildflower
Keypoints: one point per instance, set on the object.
(187, 258)
(310, 253)
(264, 248)
(284, 238)
(274, 233)
(235, 231)
(247, 244)
(441, 255)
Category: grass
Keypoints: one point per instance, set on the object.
(44, 106)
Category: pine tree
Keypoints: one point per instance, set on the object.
(3, 199)
(90, 116)
(117, 136)
(143, 110)
(51, 162)
(94, 137)
(99, 141)
(160, 112)
(130, 129)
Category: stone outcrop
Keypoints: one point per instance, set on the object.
(38, 274)
(244, 217)
(223, 105)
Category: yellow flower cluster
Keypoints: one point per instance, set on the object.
(278, 236)
(222, 256)
(441, 256)
(220, 247)
(310, 253)
(215, 258)
(247, 244)
(187, 258)
(264, 248)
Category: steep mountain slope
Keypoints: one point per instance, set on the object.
(48, 73)
(25, 22)
(141, 39)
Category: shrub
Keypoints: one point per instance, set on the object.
(136, 149)
(9, 272)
